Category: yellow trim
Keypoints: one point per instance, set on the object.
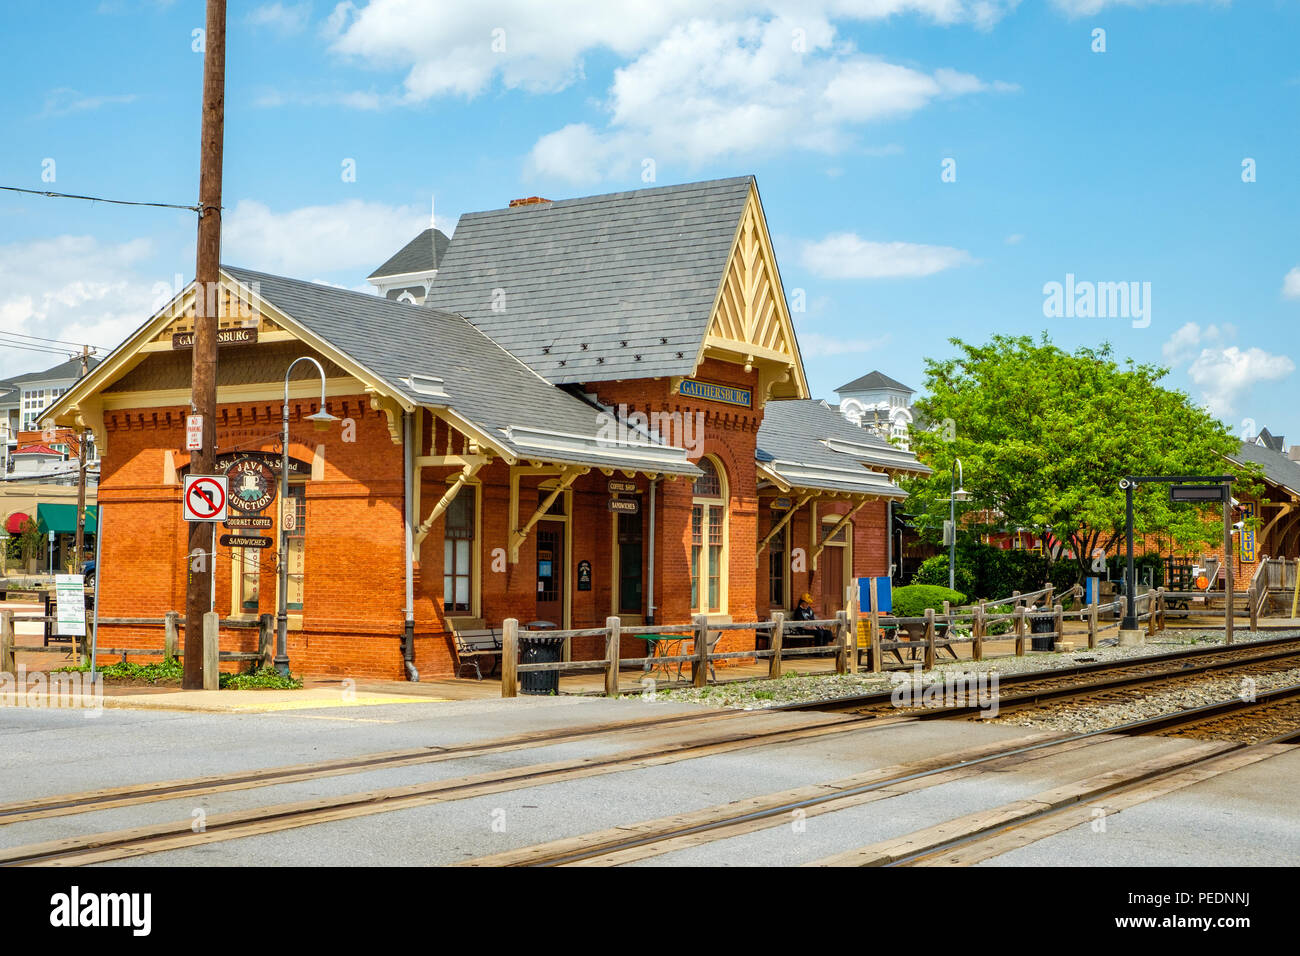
(724, 557)
(750, 322)
(518, 534)
(462, 619)
(230, 394)
(130, 353)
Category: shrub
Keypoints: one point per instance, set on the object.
(934, 571)
(911, 601)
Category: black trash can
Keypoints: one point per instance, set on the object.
(536, 649)
(1042, 625)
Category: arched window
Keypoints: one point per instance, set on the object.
(709, 540)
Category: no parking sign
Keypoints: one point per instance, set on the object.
(205, 498)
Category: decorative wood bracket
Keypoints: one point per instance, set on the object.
(519, 535)
(848, 515)
(391, 409)
(785, 520)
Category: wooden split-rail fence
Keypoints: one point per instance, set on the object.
(172, 624)
(864, 646)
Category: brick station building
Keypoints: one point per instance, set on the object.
(574, 409)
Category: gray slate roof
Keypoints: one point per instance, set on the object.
(1277, 467)
(484, 383)
(1269, 440)
(640, 267)
(799, 429)
(873, 380)
(421, 254)
(71, 369)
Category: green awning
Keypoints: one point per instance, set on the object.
(62, 519)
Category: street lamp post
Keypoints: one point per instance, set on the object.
(955, 489)
(320, 420)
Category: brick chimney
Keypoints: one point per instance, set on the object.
(529, 201)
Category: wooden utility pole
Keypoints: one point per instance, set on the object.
(81, 478)
(203, 388)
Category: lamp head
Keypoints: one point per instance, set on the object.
(322, 420)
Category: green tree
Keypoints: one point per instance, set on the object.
(30, 539)
(1044, 437)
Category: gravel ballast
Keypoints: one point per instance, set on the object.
(795, 688)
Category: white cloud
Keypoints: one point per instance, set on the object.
(64, 100)
(1223, 373)
(709, 90)
(1086, 8)
(1014, 239)
(281, 17)
(313, 239)
(455, 48)
(816, 345)
(72, 288)
(848, 256)
(1190, 338)
(1291, 284)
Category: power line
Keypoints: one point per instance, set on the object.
(47, 347)
(37, 348)
(42, 338)
(120, 202)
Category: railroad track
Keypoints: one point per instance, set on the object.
(681, 737)
(681, 740)
(1001, 828)
(1036, 688)
(972, 840)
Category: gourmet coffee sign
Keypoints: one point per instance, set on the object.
(252, 485)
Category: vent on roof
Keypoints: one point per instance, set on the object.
(425, 385)
(528, 201)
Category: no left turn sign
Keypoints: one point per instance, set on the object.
(205, 498)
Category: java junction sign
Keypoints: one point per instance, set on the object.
(252, 485)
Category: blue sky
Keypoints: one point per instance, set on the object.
(1117, 166)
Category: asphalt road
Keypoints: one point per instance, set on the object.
(1246, 817)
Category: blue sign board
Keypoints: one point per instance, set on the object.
(728, 394)
(884, 594)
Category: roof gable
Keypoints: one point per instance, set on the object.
(1278, 468)
(873, 380)
(597, 288)
(751, 322)
(421, 254)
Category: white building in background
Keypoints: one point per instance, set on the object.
(878, 403)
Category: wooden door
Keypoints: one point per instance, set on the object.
(550, 572)
(830, 568)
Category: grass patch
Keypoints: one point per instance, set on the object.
(170, 672)
(268, 678)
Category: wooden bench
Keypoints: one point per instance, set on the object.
(472, 645)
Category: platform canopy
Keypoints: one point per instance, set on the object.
(808, 445)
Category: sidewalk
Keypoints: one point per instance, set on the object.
(217, 701)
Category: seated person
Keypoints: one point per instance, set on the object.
(804, 612)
